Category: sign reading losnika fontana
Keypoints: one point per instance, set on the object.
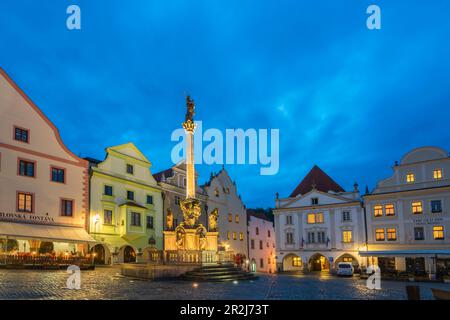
(25, 217)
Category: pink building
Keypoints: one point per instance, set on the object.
(261, 237)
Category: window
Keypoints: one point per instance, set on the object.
(419, 234)
(346, 216)
(58, 175)
(25, 202)
(108, 191)
(149, 222)
(389, 209)
(296, 262)
(257, 231)
(268, 233)
(22, 135)
(314, 201)
(234, 236)
(410, 178)
(184, 182)
(288, 219)
(136, 219)
(260, 244)
(321, 237)
(391, 234)
(436, 206)
(216, 192)
(67, 208)
(438, 233)
(311, 237)
(378, 210)
(241, 236)
(107, 217)
(311, 218)
(130, 195)
(177, 200)
(347, 236)
(379, 234)
(416, 207)
(228, 235)
(130, 169)
(149, 199)
(230, 217)
(437, 174)
(319, 217)
(289, 238)
(26, 168)
(261, 263)
(252, 244)
(236, 218)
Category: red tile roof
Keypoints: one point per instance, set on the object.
(318, 179)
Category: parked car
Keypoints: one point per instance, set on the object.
(345, 269)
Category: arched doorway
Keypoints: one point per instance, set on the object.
(292, 262)
(318, 262)
(100, 254)
(253, 266)
(347, 257)
(129, 255)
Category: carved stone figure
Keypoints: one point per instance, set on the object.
(169, 219)
(191, 211)
(213, 216)
(190, 109)
(201, 233)
(180, 238)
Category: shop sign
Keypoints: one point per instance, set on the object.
(26, 217)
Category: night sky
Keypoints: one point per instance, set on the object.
(346, 98)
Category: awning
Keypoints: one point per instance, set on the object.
(402, 253)
(28, 231)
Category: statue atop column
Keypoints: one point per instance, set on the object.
(190, 109)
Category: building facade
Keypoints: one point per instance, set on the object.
(126, 206)
(408, 215)
(43, 185)
(232, 218)
(261, 243)
(318, 225)
(173, 184)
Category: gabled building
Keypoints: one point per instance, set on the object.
(408, 215)
(126, 206)
(173, 184)
(318, 225)
(232, 219)
(261, 242)
(43, 185)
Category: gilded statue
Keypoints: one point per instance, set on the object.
(169, 219)
(191, 211)
(213, 219)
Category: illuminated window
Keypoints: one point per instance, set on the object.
(319, 217)
(25, 202)
(311, 218)
(410, 178)
(296, 262)
(438, 233)
(230, 217)
(389, 209)
(236, 218)
(234, 236)
(416, 207)
(228, 235)
(391, 234)
(241, 236)
(378, 210)
(347, 259)
(347, 236)
(379, 234)
(437, 174)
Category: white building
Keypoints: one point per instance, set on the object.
(232, 220)
(318, 225)
(408, 215)
(43, 185)
(261, 236)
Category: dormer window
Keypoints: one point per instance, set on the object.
(130, 169)
(21, 134)
(437, 174)
(314, 201)
(410, 178)
(216, 192)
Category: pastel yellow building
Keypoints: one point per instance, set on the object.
(125, 206)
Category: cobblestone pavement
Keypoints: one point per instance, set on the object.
(107, 283)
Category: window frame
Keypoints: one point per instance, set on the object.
(379, 231)
(32, 201)
(389, 234)
(440, 206)
(347, 236)
(104, 217)
(410, 177)
(386, 210)
(376, 210)
(132, 220)
(413, 206)
(104, 190)
(422, 233)
(441, 173)
(28, 131)
(131, 192)
(52, 167)
(62, 207)
(27, 161)
(439, 232)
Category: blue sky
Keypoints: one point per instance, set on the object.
(345, 98)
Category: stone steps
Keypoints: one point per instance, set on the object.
(217, 273)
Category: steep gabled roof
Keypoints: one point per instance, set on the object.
(319, 180)
(167, 173)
